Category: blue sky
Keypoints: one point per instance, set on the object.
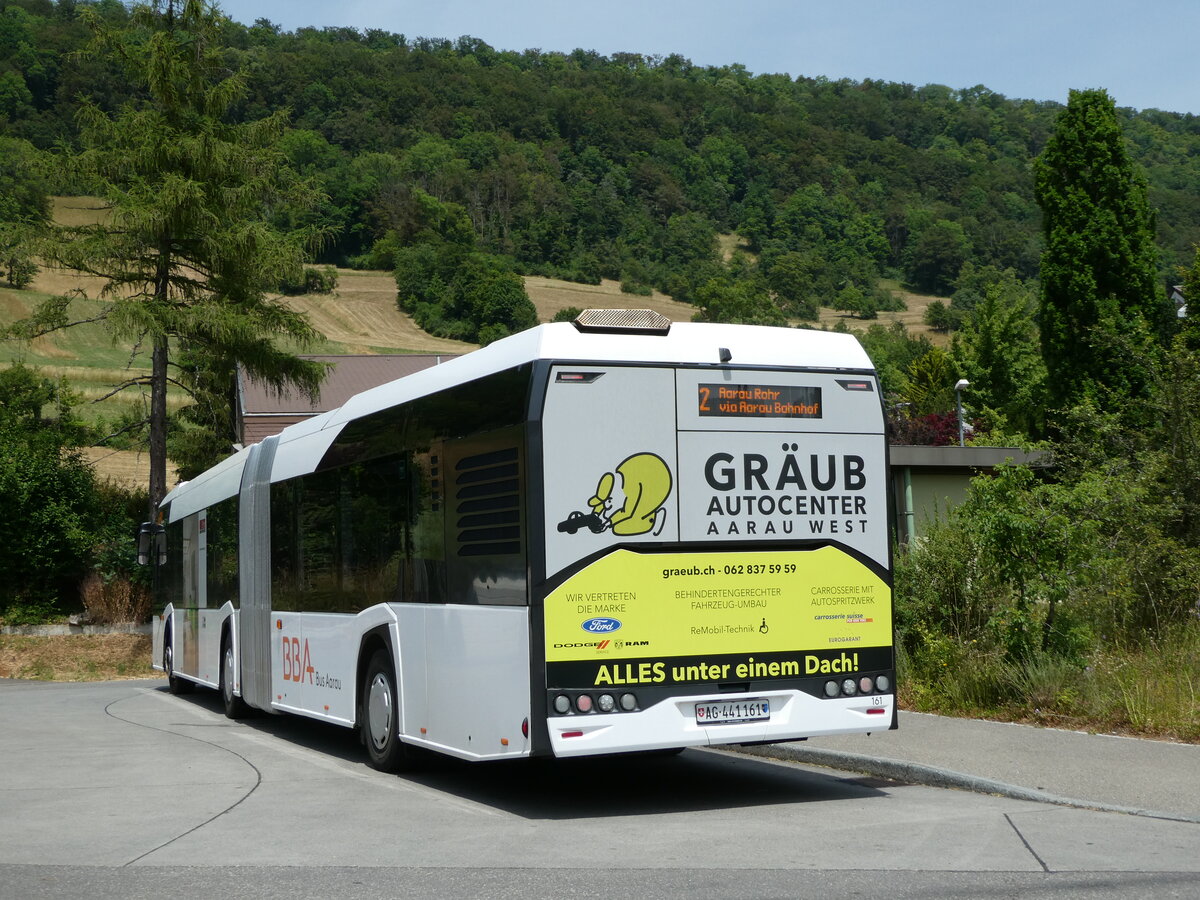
(1144, 52)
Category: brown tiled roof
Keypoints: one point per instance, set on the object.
(262, 412)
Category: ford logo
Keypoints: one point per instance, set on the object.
(601, 625)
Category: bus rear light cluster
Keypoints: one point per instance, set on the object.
(565, 704)
(864, 684)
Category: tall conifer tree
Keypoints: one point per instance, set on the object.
(187, 255)
(1099, 269)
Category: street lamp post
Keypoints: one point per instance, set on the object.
(958, 389)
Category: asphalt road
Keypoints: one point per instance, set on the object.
(120, 790)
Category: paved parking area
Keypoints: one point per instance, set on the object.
(120, 789)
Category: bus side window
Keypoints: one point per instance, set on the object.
(222, 552)
(423, 566)
(286, 568)
(338, 537)
(190, 593)
(170, 578)
(372, 514)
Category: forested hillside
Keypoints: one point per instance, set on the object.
(586, 166)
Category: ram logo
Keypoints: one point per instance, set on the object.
(601, 625)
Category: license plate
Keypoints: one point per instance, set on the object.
(729, 712)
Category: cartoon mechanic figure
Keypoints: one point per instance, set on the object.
(628, 501)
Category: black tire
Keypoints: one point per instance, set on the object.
(175, 684)
(235, 706)
(380, 717)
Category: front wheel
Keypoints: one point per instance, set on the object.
(380, 717)
(235, 706)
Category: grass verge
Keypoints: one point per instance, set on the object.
(1151, 691)
(76, 657)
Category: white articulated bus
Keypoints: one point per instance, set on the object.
(618, 534)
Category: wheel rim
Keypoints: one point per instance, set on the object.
(379, 710)
(227, 681)
(169, 660)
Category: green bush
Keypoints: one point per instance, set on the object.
(1028, 566)
(51, 514)
(323, 280)
(58, 523)
(940, 317)
(567, 314)
(38, 611)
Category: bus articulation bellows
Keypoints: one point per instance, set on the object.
(613, 535)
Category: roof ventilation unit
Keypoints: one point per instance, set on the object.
(622, 321)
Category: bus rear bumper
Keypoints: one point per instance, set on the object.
(672, 723)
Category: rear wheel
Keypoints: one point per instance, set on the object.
(175, 684)
(380, 717)
(235, 706)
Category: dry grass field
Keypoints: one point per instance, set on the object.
(75, 211)
(129, 469)
(913, 317)
(362, 317)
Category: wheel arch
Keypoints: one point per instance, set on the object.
(227, 631)
(377, 638)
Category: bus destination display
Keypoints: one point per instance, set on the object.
(759, 400)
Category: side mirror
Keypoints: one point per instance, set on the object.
(152, 541)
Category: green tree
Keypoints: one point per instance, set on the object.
(794, 277)
(930, 386)
(856, 301)
(1176, 402)
(737, 302)
(15, 98)
(1099, 268)
(24, 209)
(940, 317)
(893, 350)
(499, 306)
(997, 351)
(187, 256)
(934, 258)
(689, 238)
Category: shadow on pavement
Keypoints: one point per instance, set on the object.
(589, 787)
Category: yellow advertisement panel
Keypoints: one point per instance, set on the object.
(717, 616)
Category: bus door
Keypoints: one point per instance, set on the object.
(187, 625)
